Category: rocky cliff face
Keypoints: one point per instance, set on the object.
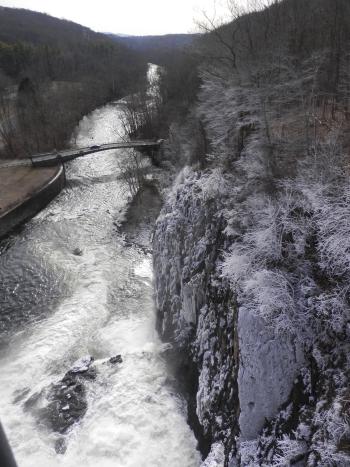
(242, 371)
(196, 312)
(253, 296)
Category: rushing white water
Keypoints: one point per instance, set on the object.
(61, 306)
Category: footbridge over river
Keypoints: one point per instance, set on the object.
(50, 159)
(27, 185)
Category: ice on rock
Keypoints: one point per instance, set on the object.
(216, 456)
(82, 364)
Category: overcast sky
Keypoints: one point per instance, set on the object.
(139, 17)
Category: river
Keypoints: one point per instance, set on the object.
(72, 287)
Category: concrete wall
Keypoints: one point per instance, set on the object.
(34, 203)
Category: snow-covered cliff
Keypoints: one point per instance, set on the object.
(196, 312)
(244, 372)
(252, 271)
(256, 324)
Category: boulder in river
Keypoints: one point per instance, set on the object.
(67, 398)
(116, 359)
(60, 445)
(82, 365)
(64, 403)
(78, 252)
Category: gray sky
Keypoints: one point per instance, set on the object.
(139, 17)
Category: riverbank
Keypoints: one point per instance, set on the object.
(24, 191)
(141, 215)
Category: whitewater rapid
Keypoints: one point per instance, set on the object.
(57, 307)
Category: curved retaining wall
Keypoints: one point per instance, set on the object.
(33, 203)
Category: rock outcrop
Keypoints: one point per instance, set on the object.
(241, 372)
(64, 403)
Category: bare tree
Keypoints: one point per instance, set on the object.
(132, 172)
(8, 132)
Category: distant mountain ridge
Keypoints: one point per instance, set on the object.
(150, 40)
(167, 41)
(39, 45)
(36, 29)
(156, 49)
(21, 25)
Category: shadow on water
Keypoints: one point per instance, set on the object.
(141, 216)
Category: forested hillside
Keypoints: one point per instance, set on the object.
(62, 71)
(157, 48)
(252, 246)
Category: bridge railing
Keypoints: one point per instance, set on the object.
(54, 158)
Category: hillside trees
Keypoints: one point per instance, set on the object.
(274, 107)
(71, 71)
(7, 128)
(289, 65)
(273, 102)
